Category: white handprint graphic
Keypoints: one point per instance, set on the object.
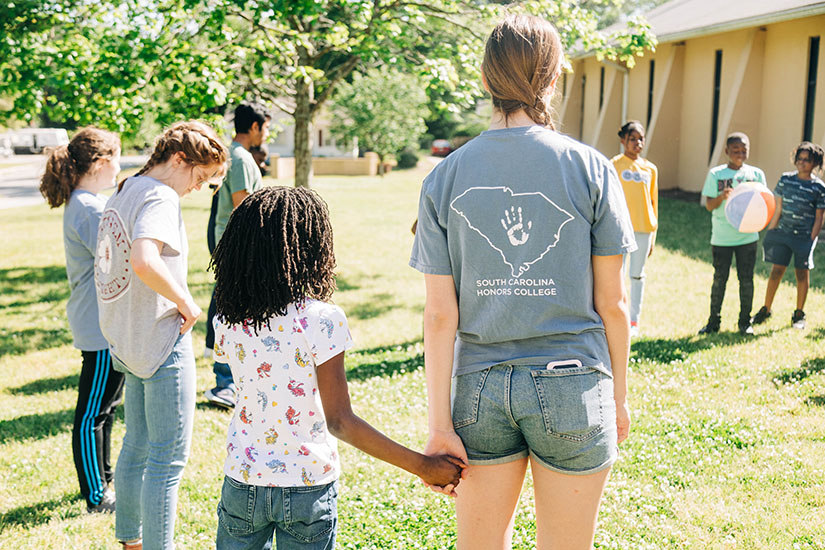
(513, 224)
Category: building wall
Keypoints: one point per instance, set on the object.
(762, 93)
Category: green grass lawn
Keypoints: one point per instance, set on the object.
(726, 449)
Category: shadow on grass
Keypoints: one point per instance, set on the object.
(385, 360)
(685, 228)
(46, 385)
(33, 339)
(806, 369)
(342, 283)
(24, 286)
(35, 426)
(816, 401)
(664, 350)
(387, 367)
(39, 513)
(376, 305)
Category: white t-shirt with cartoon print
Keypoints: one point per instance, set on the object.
(278, 433)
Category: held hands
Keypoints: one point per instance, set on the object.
(442, 470)
(726, 193)
(190, 312)
(446, 444)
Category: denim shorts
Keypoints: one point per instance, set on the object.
(564, 417)
(251, 516)
(778, 247)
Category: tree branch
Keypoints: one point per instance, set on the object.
(337, 74)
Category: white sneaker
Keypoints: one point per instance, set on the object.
(634, 330)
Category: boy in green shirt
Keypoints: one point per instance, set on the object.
(726, 241)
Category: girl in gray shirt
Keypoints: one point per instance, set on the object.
(75, 175)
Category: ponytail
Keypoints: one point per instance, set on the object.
(67, 164)
(522, 58)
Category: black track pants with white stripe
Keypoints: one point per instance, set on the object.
(100, 391)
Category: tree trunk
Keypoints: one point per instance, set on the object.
(303, 120)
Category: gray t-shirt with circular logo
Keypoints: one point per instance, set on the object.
(140, 325)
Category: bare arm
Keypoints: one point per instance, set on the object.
(346, 425)
(149, 267)
(715, 202)
(238, 197)
(440, 325)
(610, 302)
(778, 212)
(817, 223)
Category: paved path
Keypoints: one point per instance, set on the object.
(20, 182)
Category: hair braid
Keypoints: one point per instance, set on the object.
(196, 140)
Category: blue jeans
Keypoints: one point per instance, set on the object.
(636, 272)
(299, 517)
(159, 412)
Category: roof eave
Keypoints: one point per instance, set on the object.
(756, 21)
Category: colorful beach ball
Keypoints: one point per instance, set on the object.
(750, 207)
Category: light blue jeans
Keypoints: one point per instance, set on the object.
(159, 412)
(250, 516)
(636, 272)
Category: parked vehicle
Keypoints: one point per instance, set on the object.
(440, 148)
(33, 141)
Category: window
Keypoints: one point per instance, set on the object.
(650, 91)
(810, 92)
(717, 81)
(601, 88)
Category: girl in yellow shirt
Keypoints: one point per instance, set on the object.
(639, 179)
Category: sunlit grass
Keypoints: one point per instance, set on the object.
(728, 435)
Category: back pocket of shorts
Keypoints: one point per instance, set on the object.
(571, 401)
(467, 395)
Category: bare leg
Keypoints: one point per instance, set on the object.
(567, 507)
(777, 271)
(486, 505)
(802, 282)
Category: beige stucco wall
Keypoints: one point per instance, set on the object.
(763, 84)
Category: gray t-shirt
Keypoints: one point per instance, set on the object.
(514, 216)
(81, 218)
(140, 324)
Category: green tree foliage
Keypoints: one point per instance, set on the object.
(111, 64)
(298, 52)
(123, 64)
(384, 109)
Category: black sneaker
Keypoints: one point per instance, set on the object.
(711, 328)
(798, 319)
(746, 330)
(761, 316)
(106, 506)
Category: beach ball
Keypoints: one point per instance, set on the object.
(750, 207)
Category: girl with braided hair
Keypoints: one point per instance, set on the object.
(520, 238)
(75, 175)
(146, 313)
(285, 346)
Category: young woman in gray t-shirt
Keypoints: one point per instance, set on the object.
(520, 236)
(146, 314)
